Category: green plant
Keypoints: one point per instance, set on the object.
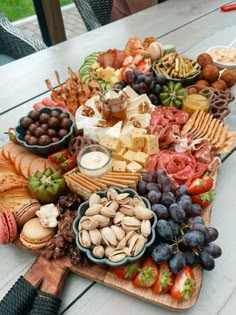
(19, 9)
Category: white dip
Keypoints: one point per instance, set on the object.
(95, 163)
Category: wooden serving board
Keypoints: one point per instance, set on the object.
(54, 273)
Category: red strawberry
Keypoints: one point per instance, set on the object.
(200, 185)
(184, 284)
(165, 279)
(147, 276)
(127, 272)
(204, 199)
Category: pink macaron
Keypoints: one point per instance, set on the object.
(8, 227)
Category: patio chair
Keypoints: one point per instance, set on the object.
(15, 43)
(94, 13)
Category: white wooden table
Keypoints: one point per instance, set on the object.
(193, 26)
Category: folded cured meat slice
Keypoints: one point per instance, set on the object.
(182, 168)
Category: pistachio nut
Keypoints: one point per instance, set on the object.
(143, 213)
(146, 228)
(108, 211)
(94, 199)
(101, 220)
(119, 232)
(95, 236)
(138, 201)
(136, 244)
(129, 236)
(109, 250)
(94, 209)
(109, 237)
(131, 223)
(103, 201)
(88, 223)
(118, 218)
(121, 244)
(112, 194)
(123, 198)
(84, 239)
(118, 255)
(127, 210)
(98, 251)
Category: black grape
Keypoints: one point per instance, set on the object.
(160, 78)
(194, 211)
(148, 79)
(193, 238)
(177, 262)
(181, 190)
(154, 196)
(207, 261)
(175, 227)
(164, 229)
(167, 198)
(200, 227)
(177, 212)
(186, 202)
(165, 183)
(137, 72)
(160, 210)
(142, 187)
(156, 89)
(152, 186)
(196, 219)
(213, 234)
(213, 249)
(140, 78)
(147, 177)
(154, 99)
(129, 76)
(161, 253)
(191, 258)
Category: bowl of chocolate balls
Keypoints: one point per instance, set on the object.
(45, 131)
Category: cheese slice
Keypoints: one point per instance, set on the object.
(134, 167)
(151, 145)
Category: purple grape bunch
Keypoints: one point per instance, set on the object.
(148, 83)
(182, 238)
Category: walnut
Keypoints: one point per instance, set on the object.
(101, 123)
(87, 111)
(135, 122)
(143, 107)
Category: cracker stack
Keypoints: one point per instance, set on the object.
(204, 125)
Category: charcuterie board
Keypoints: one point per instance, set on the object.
(54, 273)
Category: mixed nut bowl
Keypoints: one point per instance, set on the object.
(115, 226)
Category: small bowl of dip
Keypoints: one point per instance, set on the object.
(223, 56)
(94, 160)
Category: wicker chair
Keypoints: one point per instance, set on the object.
(14, 43)
(94, 13)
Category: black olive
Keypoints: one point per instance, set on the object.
(39, 131)
(26, 122)
(55, 139)
(52, 133)
(62, 133)
(44, 140)
(44, 126)
(43, 118)
(53, 122)
(66, 123)
(64, 115)
(55, 113)
(34, 114)
(32, 127)
(32, 140)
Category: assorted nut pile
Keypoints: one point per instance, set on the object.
(115, 226)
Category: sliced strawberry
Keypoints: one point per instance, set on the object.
(144, 66)
(128, 60)
(127, 272)
(165, 279)
(137, 58)
(147, 276)
(184, 285)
